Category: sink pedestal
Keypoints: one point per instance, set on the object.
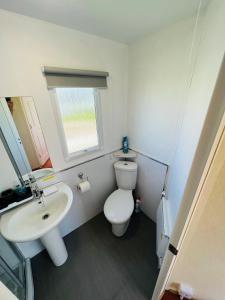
(55, 246)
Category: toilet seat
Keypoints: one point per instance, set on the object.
(119, 206)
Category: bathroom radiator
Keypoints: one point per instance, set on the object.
(162, 229)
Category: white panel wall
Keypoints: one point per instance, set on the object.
(159, 68)
(27, 44)
(211, 53)
(85, 206)
(151, 178)
(158, 71)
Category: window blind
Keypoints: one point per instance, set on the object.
(60, 77)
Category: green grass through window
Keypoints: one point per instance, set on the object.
(80, 116)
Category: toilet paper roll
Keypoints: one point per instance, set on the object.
(84, 186)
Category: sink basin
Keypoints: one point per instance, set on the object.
(39, 219)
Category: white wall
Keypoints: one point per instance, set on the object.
(154, 113)
(158, 70)
(209, 60)
(170, 92)
(207, 86)
(26, 45)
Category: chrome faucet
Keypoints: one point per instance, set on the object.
(36, 191)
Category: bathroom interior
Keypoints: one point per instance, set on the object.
(102, 112)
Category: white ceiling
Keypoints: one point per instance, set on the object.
(119, 20)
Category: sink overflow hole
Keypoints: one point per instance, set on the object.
(46, 216)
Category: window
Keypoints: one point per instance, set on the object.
(78, 112)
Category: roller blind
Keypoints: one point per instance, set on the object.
(60, 77)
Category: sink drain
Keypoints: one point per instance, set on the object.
(45, 216)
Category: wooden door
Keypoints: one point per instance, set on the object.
(35, 129)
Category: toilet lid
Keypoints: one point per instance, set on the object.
(119, 206)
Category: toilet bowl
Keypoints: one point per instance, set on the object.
(119, 205)
(118, 209)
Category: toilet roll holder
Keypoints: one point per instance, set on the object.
(84, 185)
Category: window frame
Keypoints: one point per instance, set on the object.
(97, 105)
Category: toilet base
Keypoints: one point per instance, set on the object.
(120, 229)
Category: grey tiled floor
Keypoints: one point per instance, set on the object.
(101, 266)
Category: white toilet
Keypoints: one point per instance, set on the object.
(119, 205)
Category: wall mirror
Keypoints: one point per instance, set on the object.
(22, 136)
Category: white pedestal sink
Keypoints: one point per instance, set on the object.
(39, 220)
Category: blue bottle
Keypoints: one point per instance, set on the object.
(125, 144)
